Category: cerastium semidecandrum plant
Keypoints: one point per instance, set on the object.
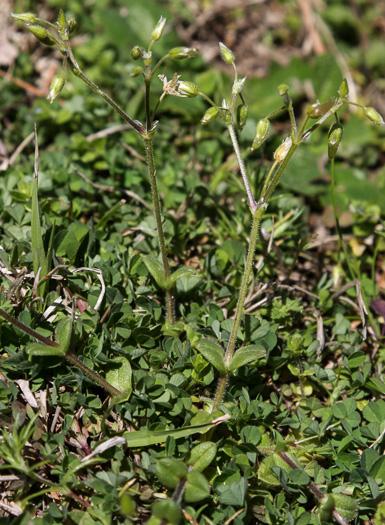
(58, 35)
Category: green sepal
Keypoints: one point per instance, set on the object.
(38, 349)
(64, 334)
(183, 271)
(170, 471)
(245, 355)
(213, 352)
(156, 269)
(202, 455)
(197, 487)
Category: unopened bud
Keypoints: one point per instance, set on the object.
(136, 71)
(137, 52)
(179, 53)
(374, 116)
(71, 24)
(344, 89)
(242, 113)
(261, 133)
(188, 89)
(158, 29)
(210, 114)
(318, 110)
(226, 53)
(282, 89)
(56, 86)
(42, 34)
(26, 18)
(334, 139)
(281, 152)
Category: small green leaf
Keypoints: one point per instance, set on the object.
(38, 349)
(245, 355)
(346, 506)
(183, 271)
(202, 455)
(156, 269)
(299, 476)
(167, 511)
(64, 334)
(119, 374)
(170, 471)
(213, 352)
(197, 487)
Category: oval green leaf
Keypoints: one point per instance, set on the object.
(156, 269)
(170, 471)
(119, 374)
(64, 334)
(183, 271)
(213, 352)
(38, 349)
(197, 487)
(245, 355)
(202, 455)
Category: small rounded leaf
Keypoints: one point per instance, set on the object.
(374, 116)
(346, 506)
(167, 510)
(202, 455)
(197, 487)
(170, 471)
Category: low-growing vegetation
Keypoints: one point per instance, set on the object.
(192, 278)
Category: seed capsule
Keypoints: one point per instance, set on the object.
(334, 139)
(158, 29)
(261, 133)
(226, 53)
(210, 114)
(374, 116)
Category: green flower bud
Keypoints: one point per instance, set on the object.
(179, 53)
(136, 71)
(344, 89)
(242, 113)
(158, 29)
(56, 86)
(210, 114)
(374, 116)
(137, 52)
(188, 89)
(26, 18)
(261, 133)
(42, 34)
(281, 152)
(318, 110)
(334, 139)
(283, 90)
(226, 53)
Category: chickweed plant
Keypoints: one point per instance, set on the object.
(285, 462)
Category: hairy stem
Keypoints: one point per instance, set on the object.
(170, 302)
(254, 235)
